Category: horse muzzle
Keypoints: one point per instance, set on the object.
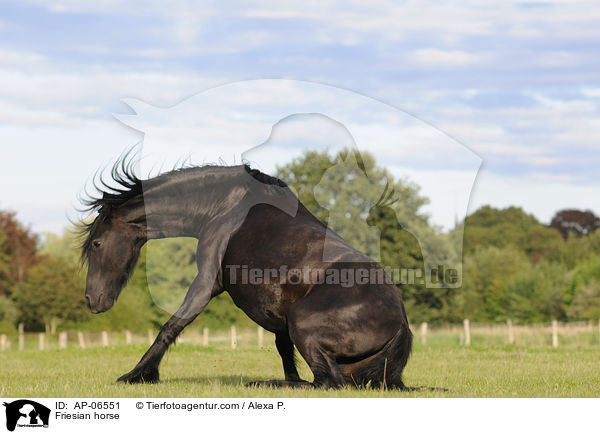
(99, 304)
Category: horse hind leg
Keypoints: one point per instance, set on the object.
(384, 368)
(323, 365)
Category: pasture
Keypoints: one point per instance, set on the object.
(442, 368)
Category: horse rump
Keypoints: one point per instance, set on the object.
(384, 368)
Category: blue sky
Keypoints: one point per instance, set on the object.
(518, 83)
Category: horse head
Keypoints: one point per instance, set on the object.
(111, 249)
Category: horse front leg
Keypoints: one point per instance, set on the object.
(146, 371)
(196, 299)
(285, 347)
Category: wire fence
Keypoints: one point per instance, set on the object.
(229, 338)
(552, 334)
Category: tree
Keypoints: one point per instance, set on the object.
(536, 294)
(586, 302)
(583, 276)
(345, 192)
(64, 247)
(485, 275)
(5, 269)
(18, 252)
(9, 315)
(573, 222)
(51, 291)
(509, 227)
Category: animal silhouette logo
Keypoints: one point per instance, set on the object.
(267, 122)
(26, 413)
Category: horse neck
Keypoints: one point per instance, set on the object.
(183, 205)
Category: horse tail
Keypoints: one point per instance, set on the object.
(384, 368)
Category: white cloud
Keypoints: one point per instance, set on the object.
(384, 20)
(448, 191)
(436, 57)
(591, 92)
(44, 167)
(541, 134)
(539, 195)
(47, 103)
(539, 160)
(23, 62)
(131, 7)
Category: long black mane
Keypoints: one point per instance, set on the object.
(126, 185)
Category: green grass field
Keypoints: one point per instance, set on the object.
(442, 369)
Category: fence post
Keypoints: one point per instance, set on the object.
(104, 339)
(41, 341)
(2, 342)
(21, 336)
(150, 336)
(205, 337)
(127, 337)
(233, 338)
(62, 340)
(467, 332)
(261, 336)
(424, 333)
(81, 340)
(554, 333)
(511, 334)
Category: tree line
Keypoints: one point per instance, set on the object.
(513, 266)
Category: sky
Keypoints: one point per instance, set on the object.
(515, 84)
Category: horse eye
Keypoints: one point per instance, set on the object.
(96, 243)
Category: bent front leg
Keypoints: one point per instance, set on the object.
(146, 371)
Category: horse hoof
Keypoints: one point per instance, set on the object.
(279, 383)
(269, 383)
(148, 375)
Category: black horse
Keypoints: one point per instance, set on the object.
(352, 332)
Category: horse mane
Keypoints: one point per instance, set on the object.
(263, 177)
(126, 185)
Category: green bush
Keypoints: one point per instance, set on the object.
(586, 302)
(9, 314)
(537, 294)
(485, 274)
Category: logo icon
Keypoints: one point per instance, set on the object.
(369, 194)
(26, 413)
